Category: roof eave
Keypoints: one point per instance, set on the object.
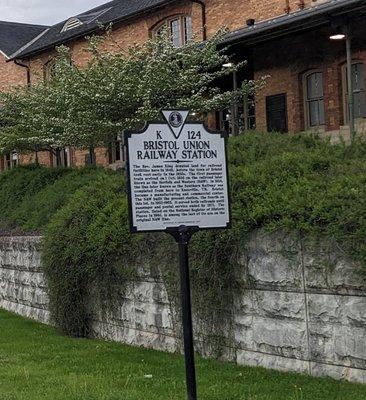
(14, 55)
(300, 22)
(4, 54)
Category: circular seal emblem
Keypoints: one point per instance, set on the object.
(175, 119)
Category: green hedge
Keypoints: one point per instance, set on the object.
(31, 195)
(303, 184)
(277, 181)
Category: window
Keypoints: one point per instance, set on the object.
(276, 111)
(116, 151)
(179, 29)
(81, 19)
(246, 117)
(62, 157)
(314, 99)
(358, 86)
(10, 160)
(49, 70)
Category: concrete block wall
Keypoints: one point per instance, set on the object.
(303, 308)
(22, 287)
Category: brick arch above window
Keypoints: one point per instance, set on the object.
(49, 69)
(178, 27)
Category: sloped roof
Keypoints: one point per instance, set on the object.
(111, 12)
(14, 35)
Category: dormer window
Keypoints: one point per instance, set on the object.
(179, 29)
(82, 19)
(71, 24)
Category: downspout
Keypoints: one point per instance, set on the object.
(28, 70)
(287, 7)
(203, 6)
(301, 4)
(351, 108)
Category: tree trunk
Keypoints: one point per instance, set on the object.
(36, 160)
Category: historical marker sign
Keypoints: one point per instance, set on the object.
(177, 175)
(178, 183)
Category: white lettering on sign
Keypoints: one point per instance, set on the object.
(177, 179)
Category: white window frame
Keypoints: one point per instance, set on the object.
(185, 29)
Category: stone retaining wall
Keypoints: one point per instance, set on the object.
(303, 311)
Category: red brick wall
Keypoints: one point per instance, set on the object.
(101, 157)
(11, 75)
(234, 13)
(44, 158)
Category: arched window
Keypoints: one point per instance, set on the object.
(179, 28)
(49, 70)
(359, 92)
(314, 99)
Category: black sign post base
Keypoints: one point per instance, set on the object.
(182, 237)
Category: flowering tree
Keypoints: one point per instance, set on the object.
(116, 90)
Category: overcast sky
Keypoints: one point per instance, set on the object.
(44, 12)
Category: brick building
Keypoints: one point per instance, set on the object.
(286, 39)
(14, 36)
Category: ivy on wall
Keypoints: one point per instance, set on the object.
(292, 183)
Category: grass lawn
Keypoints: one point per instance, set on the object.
(36, 363)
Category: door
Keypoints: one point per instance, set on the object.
(276, 109)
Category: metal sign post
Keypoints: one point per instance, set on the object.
(182, 237)
(178, 183)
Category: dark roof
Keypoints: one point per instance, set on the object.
(14, 35)
(111, 12)
(318, 15)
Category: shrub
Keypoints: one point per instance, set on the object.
(295, 183)
(303, 184)
(31, 195)
(37, 210)
(89, 264)
(19, 185)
